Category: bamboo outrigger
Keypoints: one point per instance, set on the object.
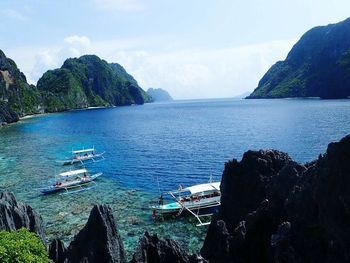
(72, 182)
(82, 156)
(200, 201)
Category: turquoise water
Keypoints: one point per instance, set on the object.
(182, 142)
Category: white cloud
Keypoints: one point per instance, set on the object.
(34, 61)
(82, 41)
(195, 73)
(14, 14)
(203, 73)
(119, 5)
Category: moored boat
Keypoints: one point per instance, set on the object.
(198, 201)
(72, 181)
(82, 156)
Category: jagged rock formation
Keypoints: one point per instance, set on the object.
(17, 97)
(15, 215)
(275, 210)
(159, 94)
(58, 251)
(154, 249)
(98, 241)
(89, 81)
(317, 66)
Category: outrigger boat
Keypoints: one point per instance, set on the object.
(84, 155)
(72, 181)
(200, 201)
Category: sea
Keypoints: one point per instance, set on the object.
(154, 148)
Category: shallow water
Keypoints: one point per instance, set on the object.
(182, 142)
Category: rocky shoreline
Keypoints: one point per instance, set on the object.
(272, 210)
(276, 210)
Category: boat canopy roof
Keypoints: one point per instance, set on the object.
(203, 187)
(84, 151)
(74, 172)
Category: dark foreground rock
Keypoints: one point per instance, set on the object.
(98, 241)
(157, 250)
(15, 215)
(57, 251)
(275, 210)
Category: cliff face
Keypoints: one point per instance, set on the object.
(79, 83)
(89, 81)
(17, 97)
(317, 66)
(276, 210)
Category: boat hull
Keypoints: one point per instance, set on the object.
(82, 159)
(176, 209)
(79, 184)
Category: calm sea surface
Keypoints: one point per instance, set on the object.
(182, 142)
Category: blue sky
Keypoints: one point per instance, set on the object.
(194, 49)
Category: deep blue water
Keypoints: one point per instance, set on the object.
(182, 142)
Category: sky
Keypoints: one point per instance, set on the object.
(192, 48)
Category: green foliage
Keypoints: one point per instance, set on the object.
(317, 66)
(79, 83)
(22, 246)
(121, 72)
(15, 91)
(89, 81)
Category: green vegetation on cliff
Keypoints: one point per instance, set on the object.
(17, 97)
(317, 66)
(22, 246)
(89, 81)
(79, 83)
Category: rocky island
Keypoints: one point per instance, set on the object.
(273, 209)
(82, 82)
(317, 66)
(159, 94)
(89, 81)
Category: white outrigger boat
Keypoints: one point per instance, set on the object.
(84, 155)
(72, 181)
(200, 201)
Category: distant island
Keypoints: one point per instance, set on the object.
(159, 94)
(82, 82)
(242, 95)
(317, 66)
